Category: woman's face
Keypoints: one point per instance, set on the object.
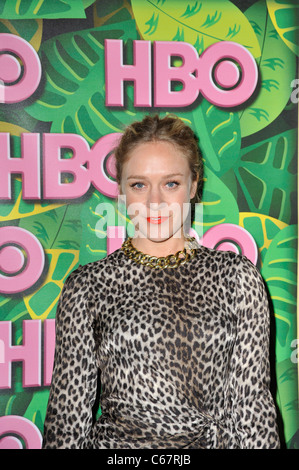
(156, 183)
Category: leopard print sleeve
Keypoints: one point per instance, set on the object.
(74, 379)
(253, 409)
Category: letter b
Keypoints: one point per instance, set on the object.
(165, 74)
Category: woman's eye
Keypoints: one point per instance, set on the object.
(173, 184)
(136, 185)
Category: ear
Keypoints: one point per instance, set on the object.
(121, 196)
(120, 189)
(193, 187)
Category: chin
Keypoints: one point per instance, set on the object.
(159, 236)
(159, 232)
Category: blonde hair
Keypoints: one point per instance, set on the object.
(169, 129)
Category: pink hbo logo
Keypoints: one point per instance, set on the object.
(225, 74)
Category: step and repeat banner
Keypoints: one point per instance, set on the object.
(73, 74)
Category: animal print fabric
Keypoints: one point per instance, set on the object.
(183, 356)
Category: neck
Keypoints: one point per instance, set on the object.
(159, 248)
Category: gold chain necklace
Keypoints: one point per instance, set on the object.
(162, 262)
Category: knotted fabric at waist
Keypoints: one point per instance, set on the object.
(162, 428)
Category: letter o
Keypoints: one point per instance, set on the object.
(11, 70)
(22, 427)
(34, 264)
(234, 233)
(101, 153)
(232, 51)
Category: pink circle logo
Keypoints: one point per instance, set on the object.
(17, 82)
(19, 273)
(228, 237)
(21, 427)
(228, 74)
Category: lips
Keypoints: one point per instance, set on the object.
(156, 220)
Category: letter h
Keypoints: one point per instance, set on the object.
(29, 353)
(116, 73)
(28, 166)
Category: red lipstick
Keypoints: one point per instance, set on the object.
(156, 220)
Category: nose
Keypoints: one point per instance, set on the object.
(155, 198)
(155, 201)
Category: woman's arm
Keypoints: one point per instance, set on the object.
(252, 405)
(74, 381)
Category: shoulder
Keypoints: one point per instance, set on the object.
(231, 266)
(85, 275)
(226, 260)
(80, 286)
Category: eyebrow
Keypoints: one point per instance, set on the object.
(171, 175)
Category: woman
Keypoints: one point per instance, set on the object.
(179, 332)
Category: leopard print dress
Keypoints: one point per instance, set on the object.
(182, 354)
